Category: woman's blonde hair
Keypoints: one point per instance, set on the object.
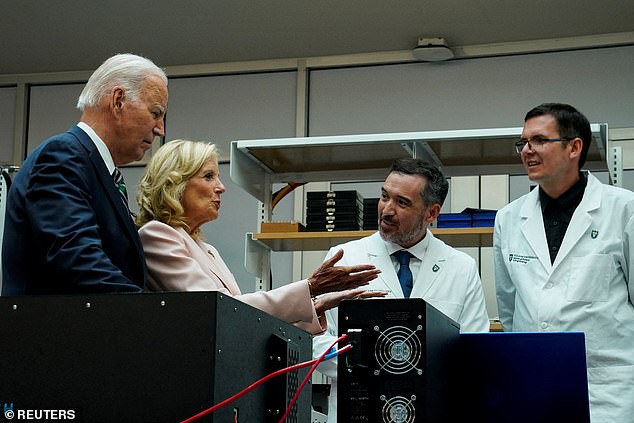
(165, 178)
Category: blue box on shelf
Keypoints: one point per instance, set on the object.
(454, 220)
(485, 219)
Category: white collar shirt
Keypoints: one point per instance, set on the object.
(101, 146)
(417, 250)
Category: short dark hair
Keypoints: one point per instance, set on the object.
(436, 188)
(571, 123)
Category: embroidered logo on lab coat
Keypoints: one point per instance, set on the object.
(594, 233)
(518, 258)
(435, 268)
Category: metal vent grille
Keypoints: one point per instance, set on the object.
(398, 410)
(292, 383)
(399, 349)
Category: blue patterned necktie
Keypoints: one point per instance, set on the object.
(404, 273)
(120, 184)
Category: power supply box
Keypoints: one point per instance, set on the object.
(401, 366)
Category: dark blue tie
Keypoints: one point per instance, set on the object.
(120, 184)
(404, 273)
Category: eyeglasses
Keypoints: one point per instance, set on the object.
(535, 143)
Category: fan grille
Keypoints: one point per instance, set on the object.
(398, 410)
(398, 349)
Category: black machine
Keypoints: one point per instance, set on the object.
(159, 357)
(400, 367)
(410, 364)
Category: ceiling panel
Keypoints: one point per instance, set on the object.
(78, 35)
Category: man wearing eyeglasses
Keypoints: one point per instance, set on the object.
(562, 256)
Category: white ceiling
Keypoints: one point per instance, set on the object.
(69, 35)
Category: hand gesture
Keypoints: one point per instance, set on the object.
(332, 299)
(331, 278)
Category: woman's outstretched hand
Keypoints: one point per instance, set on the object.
(331, 278)
(332, 299)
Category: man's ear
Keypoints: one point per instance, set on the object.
(432, 213)
(117, 100)
(576, 145)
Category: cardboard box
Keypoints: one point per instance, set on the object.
(267, 227)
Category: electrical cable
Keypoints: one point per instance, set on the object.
(281, 193)
(328, 353)
(264, 379)
(310, 373)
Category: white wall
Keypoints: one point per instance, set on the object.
(51, 111)
(471, 93)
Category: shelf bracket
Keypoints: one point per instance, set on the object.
(615, 166)
(422, 150)
(257, 261)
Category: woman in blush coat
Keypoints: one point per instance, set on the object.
(179, 192)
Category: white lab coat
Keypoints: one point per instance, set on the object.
(585, 289)
(448, 279)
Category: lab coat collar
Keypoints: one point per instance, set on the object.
(532, 228)
(581, 219)
(379, 256)
(431, 267)
(532, 225)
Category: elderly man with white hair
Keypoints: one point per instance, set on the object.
(68, 228)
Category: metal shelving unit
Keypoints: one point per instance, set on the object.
(320, 241)
(257, 164)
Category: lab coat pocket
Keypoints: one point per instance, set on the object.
(590, 277)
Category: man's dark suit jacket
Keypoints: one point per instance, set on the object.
(66, 228)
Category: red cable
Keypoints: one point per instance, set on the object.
(310, 372)
(254, 385)
(247, 390)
